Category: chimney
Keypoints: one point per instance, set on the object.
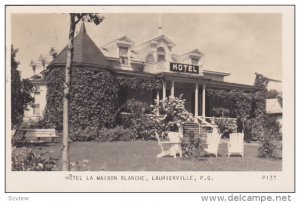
(53, 53)
(42, 60)
(33, 66)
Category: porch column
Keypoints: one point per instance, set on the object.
(203, 100)
(164, 90)
(157, 99)
(196, 98)
(172, 89)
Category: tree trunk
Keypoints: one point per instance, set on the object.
(66, 96)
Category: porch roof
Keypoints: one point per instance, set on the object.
(209, 82)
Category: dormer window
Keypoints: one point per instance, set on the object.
(123, 55)
(195, 61)
(161, 54)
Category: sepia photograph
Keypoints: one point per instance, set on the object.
(150, 98)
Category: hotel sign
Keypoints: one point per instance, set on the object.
(184, 68)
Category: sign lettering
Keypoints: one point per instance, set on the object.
(184, 68)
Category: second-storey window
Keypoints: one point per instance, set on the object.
(150, 58)
(195, 61)
(123, 55)
(36, 109)
(161, 54)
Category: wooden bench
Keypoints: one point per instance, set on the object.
(34, 136)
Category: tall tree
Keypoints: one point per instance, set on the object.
(20, 91)
(75, 18)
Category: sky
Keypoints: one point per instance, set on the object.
(236, 43)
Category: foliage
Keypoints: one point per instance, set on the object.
(238, 101)
(136, 108)
(20, 91)
(260, 114)
(270, 137)
(87, 134)
(142, 127)
(271, 94)
(242, 103)
(170, 113)
(220, 112)
(270, 147)
(88, 17)
(91, 103)
(28, 160)
(133, 82)
(192, 146)
(261, 81)
(79, 166)
(226, 126)
(145, 128)
(100, 97)
(265, 128)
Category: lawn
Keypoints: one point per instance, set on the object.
(141, 156)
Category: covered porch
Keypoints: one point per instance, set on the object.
(193, 88)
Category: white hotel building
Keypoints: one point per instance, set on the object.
(182, 73)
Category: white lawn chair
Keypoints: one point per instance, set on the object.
(236, 144)
(213, 141)
(174, 141)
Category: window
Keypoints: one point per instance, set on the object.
(150, 58)
(161, 54)
(195, 61)
(123, 54)
(36, 109)
(36, 96)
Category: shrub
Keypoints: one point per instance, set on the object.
(88, 134)
(144, 128)
(28, 160)
(220, 112)
(141, 124)
(270, 137)
(79, 166)
(226, 126)
(170, 113)
(192, 146)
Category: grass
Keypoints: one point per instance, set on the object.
(141, 156)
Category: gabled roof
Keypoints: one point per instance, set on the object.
(195, 51)
(85, 52)
(273, 106)
(123, 39)
(169, 42)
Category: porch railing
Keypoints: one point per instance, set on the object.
(156, 67)
(210, 121)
